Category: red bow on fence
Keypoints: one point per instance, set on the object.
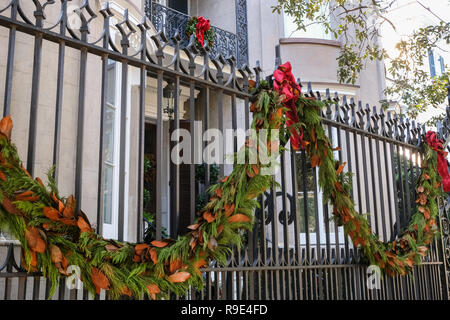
(442, 168)
(202, 26)
(284, 83)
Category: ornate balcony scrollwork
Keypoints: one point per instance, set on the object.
(226, 43)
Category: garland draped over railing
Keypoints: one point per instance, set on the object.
(54, 236)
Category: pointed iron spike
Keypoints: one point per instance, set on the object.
(360, 114)
(336, 97)
(144, 24)
(382, 122)
(327, 94)
(106, 10)
(375, 117)
(192, 48)
(177, 36)
(221, 59)
(408, 131)
(352, 108)
(345, 108)
(318, 96)
(163, 36)
(369, 123)
(309, 88)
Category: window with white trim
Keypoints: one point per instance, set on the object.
(110, 156)
(313, 30)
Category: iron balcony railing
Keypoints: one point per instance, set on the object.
(226, 43)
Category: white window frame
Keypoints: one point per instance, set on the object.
(110, 230)
(315, 31)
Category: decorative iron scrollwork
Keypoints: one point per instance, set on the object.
(226, 43)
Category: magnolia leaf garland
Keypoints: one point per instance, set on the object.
(54, 236)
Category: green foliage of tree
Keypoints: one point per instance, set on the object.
(357, 23)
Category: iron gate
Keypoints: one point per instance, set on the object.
(295, 251)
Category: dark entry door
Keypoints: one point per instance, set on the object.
(181, 221)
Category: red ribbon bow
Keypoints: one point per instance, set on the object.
(284, 83)
(442, 168)
(202, 26)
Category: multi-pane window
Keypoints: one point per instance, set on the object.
(436, 63)
(110, 157)
(313, 30)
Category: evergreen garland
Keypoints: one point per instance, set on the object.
(54, 236)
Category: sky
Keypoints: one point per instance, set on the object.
(408, 15)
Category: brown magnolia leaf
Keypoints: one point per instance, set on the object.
(239, 218)
(181, 276)
(219, 192)
(224, 179)
(141, 247)
(420, 189)
(51, 213)
(426, 176)
(409, 262)
(68, 213)
(229, 209)
(111, 248)
(153, 289)
(40, 182)
(315, 159)
(6, 126)
(200, 263)
(159, 244)
(10, 207)
(341, 168)
(425, 212)
(30, 198)
(251, 84)
(175, 265)
(153, 255)
(208, 216)
(71, 202)
(65, 262)
(254, 106)
(255, 169)
(193, 243)
(34, 240)
(33, 261)
(136, 258)
(423, 199)
(250, 173)
(220, 229)
(338, 186)
(212, 243)
(24, 194)
(126, 291)
(58, 202)
(2, 176)
(194, 226)
(69, 222)
(99, 280)
(26, 171)
(56, 254)
(83, 225)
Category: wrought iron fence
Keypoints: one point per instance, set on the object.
(295, 250)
